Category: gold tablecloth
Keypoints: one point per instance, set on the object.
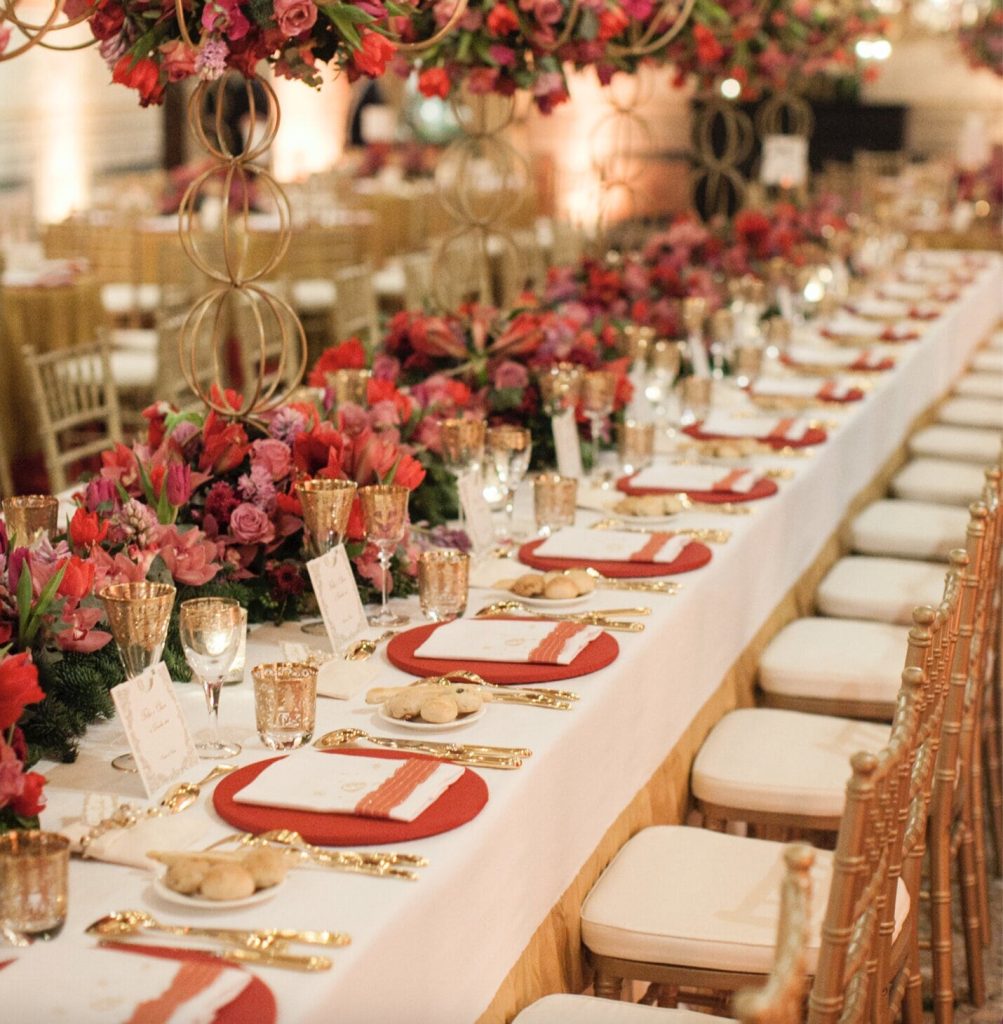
(48, 318)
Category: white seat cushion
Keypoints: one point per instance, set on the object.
(835, 659)
(996, 340)
(134, 369)
(972, 412)
(696, 898)
(880, 589)
(909, 529)
(590, 1010)
(965, 444)
(136, 339)
(314, 295)
(120, 297)
(989, 360)
(981, 385)
(940, 481)
(390, 280)
(768, 759)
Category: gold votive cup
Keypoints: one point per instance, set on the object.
(285, 703)
(560, 387)
(664, 358)
(443, 582)
(327, 506)
(696, 398)
(694, 313)
(138, 614)
(28, 514)
(554, 501)
(349, 385)
(636, 445)
(748, 363)
(598, 392)
(635, 342)
(34, 868)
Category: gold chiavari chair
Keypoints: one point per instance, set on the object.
(75, 398)
(779, 1001)
(355, 311)
(686, 907)
(965, 411)
(417, 267)
(461, 270)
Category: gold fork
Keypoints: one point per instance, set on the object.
(707, 535)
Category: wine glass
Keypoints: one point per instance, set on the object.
(560, 387)
(722, 335)
(598, 396)
(327, 505)
(384, 519)
(508, 449)
(138, 615)
(462, 450)
(210, 630)
(664, 360)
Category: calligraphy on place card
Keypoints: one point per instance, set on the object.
(338, 595)
(155, 728)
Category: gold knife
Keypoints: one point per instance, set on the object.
(262, 957)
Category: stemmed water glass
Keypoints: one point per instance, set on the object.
(327, 506)
(508, 450)
(138, 615)
(210, 630)
(664, 359)
(384, 520)
(598, 397)
(462, 450)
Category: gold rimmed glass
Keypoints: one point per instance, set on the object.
(384, 519)
(285, 703)
(349, 386)
(554, 501)
(722, 340)
(443, 580)
(748, 363)
(327, 506)
(696, 399)
(210, 629)
(664, 361)
(636, 445)
(34, 870)
(508, 450)
(462, 449)
(27, 515)
(560, 387)
(598, 398)
(138, 615)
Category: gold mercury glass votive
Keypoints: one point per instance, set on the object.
(636, 445)
(443, 580)
(27, 514)
(598, 391)
(748, 362)
(285, 703)
(554, 501)
(560, 387)
(635, 341)
(327, 505)
(694, 313)
(349, 385)
(33, 882)
(138, 614)
(664, 358)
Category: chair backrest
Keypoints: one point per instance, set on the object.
(77, 403)
(417, 279)
(781, 999)
(521, 267)
(355, 311)
(461, 271)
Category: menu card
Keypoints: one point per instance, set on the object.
(338, 595)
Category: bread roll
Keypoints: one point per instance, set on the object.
(528, 585)
(266, 866)
(185, 876)
(440, 710)
(467, 701)
(560, 589)
(582, 580)
(227, 882)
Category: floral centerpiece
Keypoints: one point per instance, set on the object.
(982, 41)
(21, 796)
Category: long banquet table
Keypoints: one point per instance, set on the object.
(466, 942)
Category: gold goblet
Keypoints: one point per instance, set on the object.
(636, 445)
(384, 519)
(285, 703)
(138, 615)
(560, 387)
(29, 514)
(554, 500)
(598, 397)
(462, 449)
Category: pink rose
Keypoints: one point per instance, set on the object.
(249, 525)
(510, 375)
(295, 16)
(274, 455)
(179, 60)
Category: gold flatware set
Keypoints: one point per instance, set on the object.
(516, 609)
(468, 754)
(708, 536)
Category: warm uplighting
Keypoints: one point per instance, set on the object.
(731, 88)
(310, 137)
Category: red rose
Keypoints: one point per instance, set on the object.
(349, 355)
(86, 529)
(107, 20)
(18, 687)
(409, 472)
(31, 800)
(78, 579)
(142, 75)
(371, 59)
(434, 82)
(502, 20)
(179, 63)
(709, 50)
(612, 22)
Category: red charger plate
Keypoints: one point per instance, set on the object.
(693, 556)
(600, 653)
(458, 805)
(763, 488)
(813, 435)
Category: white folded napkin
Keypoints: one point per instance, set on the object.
(695, 478)
(801, 387)
(885, 309)
(821, 356)
(902, 330)
(901, 290)
(845, 325)
(612, 545)
(517, 642)
(61, 984)
(371, 787)
(724, 425)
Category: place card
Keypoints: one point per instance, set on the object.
(566, 444)
(155, 728)
(337, 595)
(480, 526)
(785, 161)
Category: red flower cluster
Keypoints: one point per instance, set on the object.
(20, 791)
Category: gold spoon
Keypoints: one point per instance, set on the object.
(184, 794)
(643, 586)
(362, 649)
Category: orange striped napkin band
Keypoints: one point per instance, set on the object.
(782, 426)
(192, 978)
(388, 795)
(727, 482)
(548, 650)
(651, 547)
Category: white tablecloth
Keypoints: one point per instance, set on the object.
(435, 951)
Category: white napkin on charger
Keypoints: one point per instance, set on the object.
(884, 309)
(822, 356)
(845, 325)
(607, 545)
(800, 387)
(724, 425)
(694, 478)
(329, 784)
(511, 641)
(58, 984)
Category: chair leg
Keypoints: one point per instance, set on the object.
(912, 1003)
(607, 987)
(992, 737)
(940, 927)
(977, 795)
(970, 920)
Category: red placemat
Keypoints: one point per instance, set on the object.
(600, 653)
(461, 802)
(813, 435)
(762, 488)
(693, 556)
(256, 1002)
